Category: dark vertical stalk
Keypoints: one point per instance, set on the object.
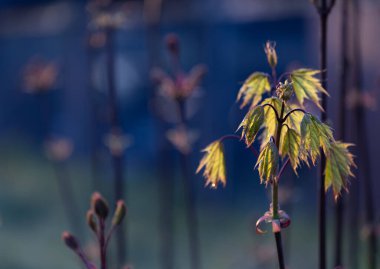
(152, 13)
(117, 159)
(93, 135)
(323, 9)
(275, 205)
(67, 196)
(362, 141)
(190, 201)
(102, 245)
(339, 208)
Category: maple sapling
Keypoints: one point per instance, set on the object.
(287, 133)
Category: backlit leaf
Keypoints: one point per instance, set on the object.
(290, 146)
(267, 162)
(251, 124)
(253, 89)
(270, 120)
(214, 164)
(338, 167)
(307, 86)
(315, 134)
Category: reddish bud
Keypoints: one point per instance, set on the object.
(99, 205)
(70, 240)
(90, 217)
(120, 212)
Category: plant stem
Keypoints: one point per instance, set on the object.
(339, 208)
(102, 245)
(68, 197)
(94, 108)
(275, 215)
(117, 159)
(191, 213)
(362, 142)
(323, 10)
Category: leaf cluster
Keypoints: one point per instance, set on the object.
(285, 131)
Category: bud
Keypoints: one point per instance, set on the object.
(91, 220)
(99, 205)
(119, 213)
(70, 241)
(172, 43)
(271, 53)
(284, 90)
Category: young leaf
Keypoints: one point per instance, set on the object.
(214, 164)
(290, 145)
(253, 89)
(315, 134)
(338, 167)
(307, 86)
(268, 162)
(251, 124)
(270, 120)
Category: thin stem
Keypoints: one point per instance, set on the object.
(363, 142)
(278, 239)
(84, 259)
(274, 109)
(68, 196)
(283, 168)
(102, 246)
(292, 111)
(283, 75)
(117, 159)
(275, 205)
(190, 201)
(339, 208)
(323, 11)
(274, 77)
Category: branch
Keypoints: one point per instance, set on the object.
(283, 75)
(283, 168)
(274, 109)
(292, 111)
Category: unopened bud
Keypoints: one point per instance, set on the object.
(119, 213)
(270, 51)
(91, 220)
(284, 90)
(70, 240)
(172, 43)
(99, 205)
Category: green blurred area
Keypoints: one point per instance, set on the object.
(32, 220)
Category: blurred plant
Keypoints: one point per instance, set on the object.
(39, 76)
(361, 103)
(323, 8)
(58, 150)
(303, 140)
(106, 17)
(97, 218)
(178, 89)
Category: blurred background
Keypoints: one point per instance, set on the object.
(63, 135)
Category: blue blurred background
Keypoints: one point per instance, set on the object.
(228, 37)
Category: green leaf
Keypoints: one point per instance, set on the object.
(290, 145)
(270, 120)
(338, 167)
(307, 86)
(251, 124)
(267, 162)
(214, 165)
(253, 89)
(315, 134)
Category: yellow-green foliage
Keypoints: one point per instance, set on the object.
(253, 89)
(214, 164)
